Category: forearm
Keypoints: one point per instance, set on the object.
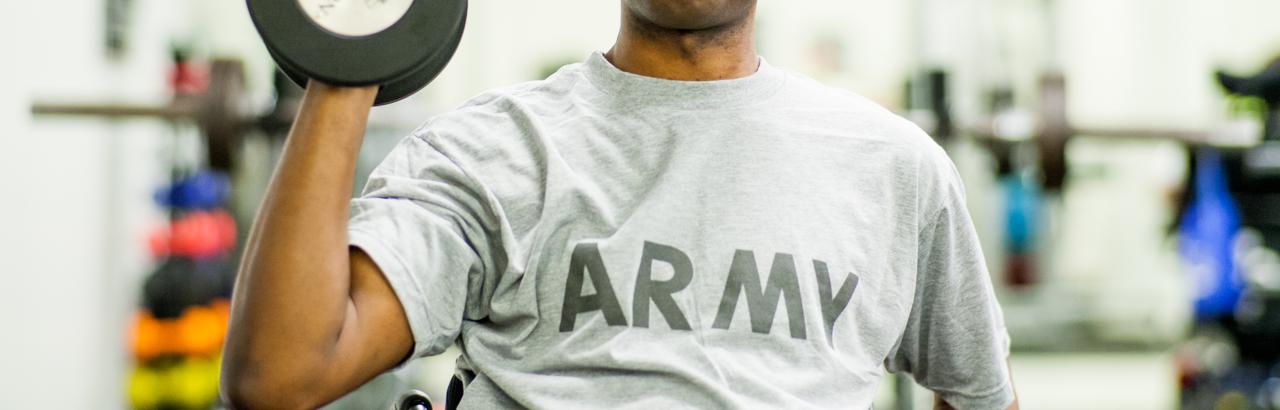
(292, 292)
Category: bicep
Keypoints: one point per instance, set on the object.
(375, 334)
(417, 235)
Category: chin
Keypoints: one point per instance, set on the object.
(690, 14)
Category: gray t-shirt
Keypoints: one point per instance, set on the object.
(606, 240)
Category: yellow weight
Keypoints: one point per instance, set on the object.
(146, 388)
(191, 386)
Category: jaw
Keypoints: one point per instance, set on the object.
(689, 15)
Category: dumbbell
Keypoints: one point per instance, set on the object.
(178, 284)
(194, 383)
(199, 332)
(198, 235)
(183, 384)
(181, 283)
(399, 45)
(146, 388)
(413, 400)
(204, 190)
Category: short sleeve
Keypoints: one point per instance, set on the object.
(423, 221)
(955, 342)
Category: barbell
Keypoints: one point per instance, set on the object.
(218, 111)
(398, 45)
(1051, 129)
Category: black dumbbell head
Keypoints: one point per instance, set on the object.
(402, 58)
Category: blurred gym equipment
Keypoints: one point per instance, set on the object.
(175, 384)
(1264, 85)
(1051, 129)
(1233, 356)
(217, 110)
(199, 235)
(203, 190)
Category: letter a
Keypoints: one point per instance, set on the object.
(586, 260)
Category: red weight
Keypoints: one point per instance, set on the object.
(198, 235)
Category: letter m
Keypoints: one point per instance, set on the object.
(762, 304)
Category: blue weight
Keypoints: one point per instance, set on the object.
(204, 190)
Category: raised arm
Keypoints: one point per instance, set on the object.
(312, 318)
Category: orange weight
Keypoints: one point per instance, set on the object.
(198, 332)
(202, 330)
(148, 336)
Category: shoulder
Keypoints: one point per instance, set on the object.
(935, 175)
(509, 107)
(504, 128)
(917, 162)
(503, 122)
(854, 113)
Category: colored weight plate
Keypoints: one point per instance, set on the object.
(425, 36)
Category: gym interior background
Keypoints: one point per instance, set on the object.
(1079, 127)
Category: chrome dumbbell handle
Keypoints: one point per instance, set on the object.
(413, 400)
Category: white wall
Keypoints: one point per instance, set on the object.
(75, 202)
(1148, 61)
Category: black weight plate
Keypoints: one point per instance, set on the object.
(400, 88)
(419, 78)
(311, 51)
(293, 74)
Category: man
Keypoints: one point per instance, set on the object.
(671, 224)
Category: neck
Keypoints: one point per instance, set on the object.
(717, 53)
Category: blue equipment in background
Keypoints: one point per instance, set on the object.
(203, 190)
(1206, 232)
